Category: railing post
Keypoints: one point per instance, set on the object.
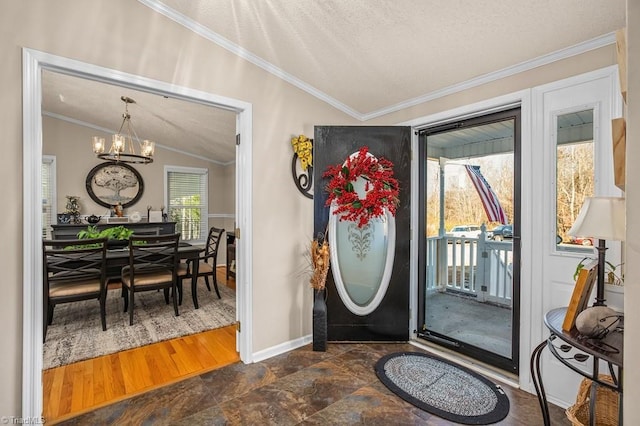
(443, 262)
(482, 256)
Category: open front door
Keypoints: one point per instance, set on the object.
(469, 253)
(368, 283)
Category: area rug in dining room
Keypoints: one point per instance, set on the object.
(76, 332)
(442, 388)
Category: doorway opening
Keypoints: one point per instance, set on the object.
(34, 63)
(469, 256)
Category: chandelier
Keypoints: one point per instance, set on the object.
(122, 143)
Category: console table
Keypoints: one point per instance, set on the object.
(70, 231)
(608, 349)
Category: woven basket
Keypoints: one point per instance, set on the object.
(606, 405)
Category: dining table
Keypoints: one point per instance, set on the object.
(119, 257)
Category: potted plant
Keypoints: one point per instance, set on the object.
(118, 236)
(612, 276)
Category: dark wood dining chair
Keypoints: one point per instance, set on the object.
(74, 270)
(207, 263)
(152, 265)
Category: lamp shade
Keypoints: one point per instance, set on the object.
(602, 218)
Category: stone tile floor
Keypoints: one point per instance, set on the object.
(460, 317)
(301, 387)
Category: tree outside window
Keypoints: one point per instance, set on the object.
(187, 202)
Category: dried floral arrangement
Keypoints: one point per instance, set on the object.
(319, 252)
(381, 187)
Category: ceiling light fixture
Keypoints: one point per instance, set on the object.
(122, 146)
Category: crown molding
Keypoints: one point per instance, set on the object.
(245, 54)
(558, 55)
(216, 38)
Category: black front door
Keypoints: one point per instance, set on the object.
(355, 319)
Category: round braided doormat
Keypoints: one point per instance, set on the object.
(439, 387)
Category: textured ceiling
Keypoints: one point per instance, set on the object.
(365, 57)
(370, 55)
(200, 130)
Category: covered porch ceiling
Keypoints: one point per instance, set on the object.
(497, 138)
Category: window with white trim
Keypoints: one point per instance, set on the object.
(575, 174)
(186, 192)
(48, 194)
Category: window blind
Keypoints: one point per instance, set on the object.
(187, 202)
(48, 195)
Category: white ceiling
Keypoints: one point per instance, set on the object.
(364, 57)
(199, 130)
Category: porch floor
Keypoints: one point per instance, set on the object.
(460, 317)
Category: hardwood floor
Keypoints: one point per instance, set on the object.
(84, 386)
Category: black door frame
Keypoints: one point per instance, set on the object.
(510, 365)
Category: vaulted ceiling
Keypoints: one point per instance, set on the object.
(364, 57)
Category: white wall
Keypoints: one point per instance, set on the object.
(632, 272)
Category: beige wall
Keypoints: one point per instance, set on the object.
(129, 37)
(632, 271)
(70, 144)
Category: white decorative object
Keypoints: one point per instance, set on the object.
(597, 321)
(135, 217)
(155, 216)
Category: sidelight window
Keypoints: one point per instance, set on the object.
(575, 175)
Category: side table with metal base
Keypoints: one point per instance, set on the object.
(607, 349)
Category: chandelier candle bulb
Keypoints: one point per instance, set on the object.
(148, 148)
(98, 145)
(118, 143)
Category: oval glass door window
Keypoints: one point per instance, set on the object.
(361, 258)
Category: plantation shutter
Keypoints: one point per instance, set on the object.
(48, 195)
(187, 202)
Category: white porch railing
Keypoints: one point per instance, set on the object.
(474, 266)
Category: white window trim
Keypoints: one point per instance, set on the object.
(33, 62)
(194, 170)
(51, 160)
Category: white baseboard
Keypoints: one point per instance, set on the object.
(281, 348)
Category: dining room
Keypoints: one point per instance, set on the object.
(181, 188)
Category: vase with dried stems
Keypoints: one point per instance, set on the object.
(320, 265)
